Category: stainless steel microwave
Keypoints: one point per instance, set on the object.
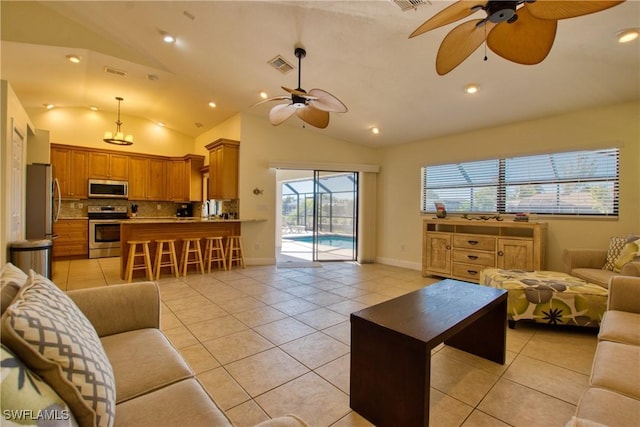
(108, 189)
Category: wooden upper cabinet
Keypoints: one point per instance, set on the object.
(157, 185)
(147, 178)
(70, 167)
(176, 177)
(184, 178)
(224, 155)
(103, 165)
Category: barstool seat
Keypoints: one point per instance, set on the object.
(234, 251)
(187, 251)
(214, 251)
(133, 254)
(161, 252)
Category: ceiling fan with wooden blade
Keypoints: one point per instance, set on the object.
(312, 107)
(520, 31)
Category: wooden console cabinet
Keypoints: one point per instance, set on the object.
(460, 248)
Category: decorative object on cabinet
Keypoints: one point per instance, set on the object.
(258, 192)
(118, 138)
(460, 249)
(312, 107)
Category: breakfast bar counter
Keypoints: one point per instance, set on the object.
(172, 228)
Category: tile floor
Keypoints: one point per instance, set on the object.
(267, 341)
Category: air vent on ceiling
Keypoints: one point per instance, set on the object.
(115, 71)
(281, 64)
(410, 4)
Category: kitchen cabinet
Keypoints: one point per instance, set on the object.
(73, 238)
(107, 165)
(224, 155)
(70, 167)
(184, 178)
(147, 178)
(460, 248)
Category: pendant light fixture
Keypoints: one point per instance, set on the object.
(118, 138)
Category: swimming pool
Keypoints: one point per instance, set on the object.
(335, 240)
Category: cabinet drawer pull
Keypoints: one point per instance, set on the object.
(473, 242)
(472, 257)
(472, 272)
(500, 253)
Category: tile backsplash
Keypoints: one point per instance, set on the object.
(78, 208)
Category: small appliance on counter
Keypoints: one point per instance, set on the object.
(184, 210)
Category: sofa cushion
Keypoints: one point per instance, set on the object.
(143, 360)
(620, 326)
(613, 252)
(630, 252)
(608, 408)
(616, 367)
(51, 335)
(22, 390)
(593, 275)
(184, 403)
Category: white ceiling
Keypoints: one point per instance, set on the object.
(357, 50)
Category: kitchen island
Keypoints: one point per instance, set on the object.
(172, 228)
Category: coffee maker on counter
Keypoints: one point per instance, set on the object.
(184, 210)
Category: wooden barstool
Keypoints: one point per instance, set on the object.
(214, 251)
(187, 250)
(171, 262)
(234, 251)
(133, 254)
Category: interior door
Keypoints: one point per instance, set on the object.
(335, 220)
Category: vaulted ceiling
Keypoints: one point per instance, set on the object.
(357, 50)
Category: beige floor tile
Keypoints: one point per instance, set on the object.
(556, 381)
(264, 371)
(186, 303)
(295, 306)
(216, 328)
(237, 346)
(259, 316)
(309, 397)
(303, 290)
(347, 307)
(460, 380)
(221, 294)
(199, 358)
(349, 291)
(273, 296)
(353, 419)
(324, 298)
(337, 372)
(285, 330)
(519, 337)
(321, 318)
(168, 320)
(341, 332)
(478, 362)
(175, 290)
(480, 419)
(247, 414)
(199, 312)
(372, 298)
(85, 283)
(315, 350)
(243, 303)
(518, 405)
(571, 350)
(445, 411)
(180, 337)
(226, 392)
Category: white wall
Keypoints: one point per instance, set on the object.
(399, 218)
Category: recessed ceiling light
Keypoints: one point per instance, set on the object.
(152, 77)
(93, 108)
(472, 88)
(375, 130)
(160, 124)
(168, 38)
(73, 58)
(630, 34)
(212, 104)
(48, 106)
(264, 95)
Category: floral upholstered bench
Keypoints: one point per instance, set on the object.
(548, 297)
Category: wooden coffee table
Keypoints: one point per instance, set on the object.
(391, 344)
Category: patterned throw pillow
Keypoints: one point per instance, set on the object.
(11, 279)
(630, 252)
(615, 247)
(26, 399)
(55, 340)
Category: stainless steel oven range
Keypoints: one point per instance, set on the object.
(104, 230)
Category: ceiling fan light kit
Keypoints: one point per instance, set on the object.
(520, 31)
(630, 34)
(312, 107)
(118, 137)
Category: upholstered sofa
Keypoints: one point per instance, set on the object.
(95, 357)
(587, 264)
(613, 396)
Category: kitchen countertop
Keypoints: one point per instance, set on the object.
(174, 220)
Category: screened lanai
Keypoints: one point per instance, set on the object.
(319, 216)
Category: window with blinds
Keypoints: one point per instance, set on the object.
(572, 183)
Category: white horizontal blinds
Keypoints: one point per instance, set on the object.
(462, 187)
(579, 182)
(572, 183)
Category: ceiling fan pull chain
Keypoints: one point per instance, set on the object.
(485, 43)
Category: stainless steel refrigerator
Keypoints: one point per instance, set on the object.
(42, 201)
